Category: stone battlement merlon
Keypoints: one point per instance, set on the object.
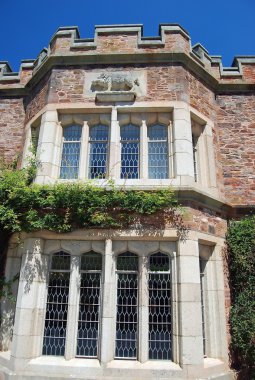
(129, 46)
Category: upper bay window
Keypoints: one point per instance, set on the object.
(137, 146)
(131, 147)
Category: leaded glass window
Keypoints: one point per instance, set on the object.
(158, 151)
(89, 305)
(130, 140)
(71, 152)
(35, 138)
(127, 306)
(194, 146)
(159, 284)
(98, 151)
(202, 264)
(57, 305)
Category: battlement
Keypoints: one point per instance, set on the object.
(128, 46)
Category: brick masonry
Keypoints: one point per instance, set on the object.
(12, 121)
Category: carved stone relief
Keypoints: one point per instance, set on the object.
(117, 81)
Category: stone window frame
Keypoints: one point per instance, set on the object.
(35, 251)
(203, 151)
(140, 119)
(117, 248)
(213, 292)
(182, 117)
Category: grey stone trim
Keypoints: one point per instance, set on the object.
(7, 75)
(4, 67)
(201, 52)
(137, 58)
(66, 31)
(115, 96)
(178, 26)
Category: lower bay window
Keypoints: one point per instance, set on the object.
(88, 283)
(120, 303)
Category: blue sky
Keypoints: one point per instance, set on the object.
(224, 28)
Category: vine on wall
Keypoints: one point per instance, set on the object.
(63, 207)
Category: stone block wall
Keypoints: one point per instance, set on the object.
(236, 132)
(12, 117)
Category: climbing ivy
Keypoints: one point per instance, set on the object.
(241, 264)
(63, 207)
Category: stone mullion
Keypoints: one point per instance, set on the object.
(114, 147)
(143, 156)
(84, 152)
(143, 311)
(73, 309)
(108, 309)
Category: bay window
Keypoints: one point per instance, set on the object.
(88, 286)
(137, 146)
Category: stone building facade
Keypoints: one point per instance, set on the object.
(147, 113)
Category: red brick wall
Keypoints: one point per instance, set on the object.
(37, 98)
(236, 129)
(12, 118)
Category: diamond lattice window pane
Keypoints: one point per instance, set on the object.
(202, 264)
(71, 152)
(159, 307)
(127, 306)
(89, 305)
(130, 139)
(98, 151)
(157, 151)
(57, 305)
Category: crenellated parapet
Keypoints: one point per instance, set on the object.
(128, 46)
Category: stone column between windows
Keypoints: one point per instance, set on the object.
(182, 145)
(49, 147)
(84, 155)
(143, 151)
(108, 306)
(73, 309)
(114, 147)
(190, 318)
(143, 311)
(30, 308)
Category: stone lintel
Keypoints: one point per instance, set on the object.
(115, 96)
